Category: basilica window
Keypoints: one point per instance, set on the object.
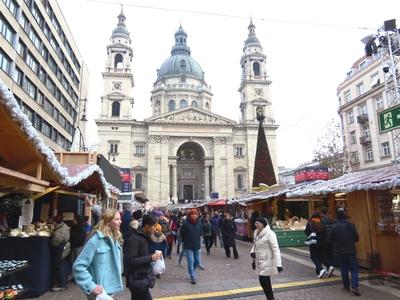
(240, 178)
(256, 69)
(194, 103)
(207, 106)
(238, 151)
(171, 105)
(113, 148)
(239, 181)
(183, 103)
(139, 149)
(115, 109)
(118, 61)
(138, 181)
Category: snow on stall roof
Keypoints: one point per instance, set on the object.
(7, 99)
(374, 179)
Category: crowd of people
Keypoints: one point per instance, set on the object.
(331, 240)
(131, 243)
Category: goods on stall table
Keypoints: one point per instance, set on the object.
(11, 266)
(8, 267)
(290, 233)
(11, 291)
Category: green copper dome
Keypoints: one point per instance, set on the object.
(180, 62)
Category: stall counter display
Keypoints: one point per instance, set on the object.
(290, 233)
(35, 279)
(7, 268)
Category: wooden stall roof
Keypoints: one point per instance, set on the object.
(27, 164)
(22, 167)
(382, 178)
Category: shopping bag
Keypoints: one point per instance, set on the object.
(159, 266)
(104, 296)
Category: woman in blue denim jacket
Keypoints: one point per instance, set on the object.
(98, 266)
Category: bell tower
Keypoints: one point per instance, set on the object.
(116, 102)
(255, 82)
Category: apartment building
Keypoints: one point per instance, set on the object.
(361, 97)
(41, 64)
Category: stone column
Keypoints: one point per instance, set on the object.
(206, 182)
(174, 183)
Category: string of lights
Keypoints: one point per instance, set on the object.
(216, 14)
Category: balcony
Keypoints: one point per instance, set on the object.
(362, 119)
(365, 140)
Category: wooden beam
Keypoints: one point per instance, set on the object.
(22, 177)
(20, 185)
(46, 191)
(39, 170)
(68, 193)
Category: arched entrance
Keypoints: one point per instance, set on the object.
(190, 172)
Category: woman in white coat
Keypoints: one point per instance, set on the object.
(266, 254)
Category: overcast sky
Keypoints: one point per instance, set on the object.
(310, 46)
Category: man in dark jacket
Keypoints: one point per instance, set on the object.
(327, 254)
(191, 232)
(228, 230)
(344, 236)
(139, 260)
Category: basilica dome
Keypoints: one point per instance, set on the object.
(180, 62)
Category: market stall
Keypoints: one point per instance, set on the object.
(30, 171)
(371, 199)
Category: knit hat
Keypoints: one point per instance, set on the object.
(137, 214)
(148, 220)
(262, 221)
(341, 215)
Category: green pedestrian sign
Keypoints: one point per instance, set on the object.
(389, 119)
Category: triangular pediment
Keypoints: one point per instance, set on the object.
(191, 115)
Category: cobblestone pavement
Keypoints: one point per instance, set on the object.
(223, 274)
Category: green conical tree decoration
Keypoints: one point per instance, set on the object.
(263, 167)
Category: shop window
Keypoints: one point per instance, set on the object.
(389, 212)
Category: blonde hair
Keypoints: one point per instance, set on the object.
(106, 218)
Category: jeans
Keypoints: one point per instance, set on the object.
(178, 245)
(348, 263)
(140, 294)
(265, 282)
(219, 235)
(316, 257)
(193, 261)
